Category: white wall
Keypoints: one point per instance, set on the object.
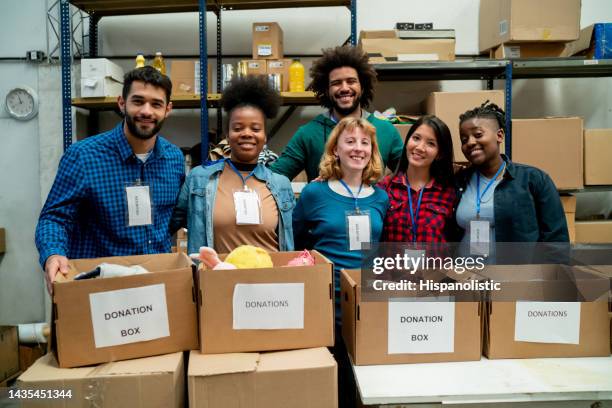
(30, 151)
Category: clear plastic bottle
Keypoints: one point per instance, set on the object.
(296, 76)
(140, 60)
(158, 63)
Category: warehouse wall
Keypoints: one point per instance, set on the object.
(30, 151)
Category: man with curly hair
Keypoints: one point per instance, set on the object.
(343, 81)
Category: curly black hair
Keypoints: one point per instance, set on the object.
(252, 91)
(342, 56)
(148, 75)
(487, 110)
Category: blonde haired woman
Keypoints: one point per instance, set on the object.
(343, 209)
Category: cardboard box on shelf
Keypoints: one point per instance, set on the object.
(185, 77)
(255, 67)
(386, 46)
(9, 352)
(298, 378)
(279, 308)
(146, 382)
(100, 87)
(29, 353)
(2, 240)
(267, 41)
(449, 105)
(594, 232)
(101, 68)
(534, 327)
(505, 21)
(553, 145)
(371, 339)
(597, 163)
(125, 317)
(569, 208)
(280, 67)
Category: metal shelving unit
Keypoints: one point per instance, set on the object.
(102, 8)
(489, 70)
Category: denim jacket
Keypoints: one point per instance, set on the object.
(197, 201)
(527, 205)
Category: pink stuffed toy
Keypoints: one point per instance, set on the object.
(303, 259)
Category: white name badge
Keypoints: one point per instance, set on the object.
(547, 322)
(479, 237)
(248, 208)
(420, 327)
(129, 315)
(358, 230)
(139, 205)
(268, 306)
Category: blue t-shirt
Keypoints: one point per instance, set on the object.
(319, 222)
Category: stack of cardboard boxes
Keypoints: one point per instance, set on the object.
(149, 319)
(268, 57)
(386, 46)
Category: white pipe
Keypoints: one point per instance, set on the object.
(33, 332)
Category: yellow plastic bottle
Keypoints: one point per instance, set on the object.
(158, 63)
(296, 76)
(140, 61)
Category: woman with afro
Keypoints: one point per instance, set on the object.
(238, 201)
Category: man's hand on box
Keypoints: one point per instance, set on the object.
(53, 265)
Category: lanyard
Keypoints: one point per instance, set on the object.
(478, 195)
(244, 179)
(414, 215)
(351, 193)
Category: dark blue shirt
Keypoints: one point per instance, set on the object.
(86, 214)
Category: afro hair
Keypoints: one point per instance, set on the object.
(342, 56)
(251, 91)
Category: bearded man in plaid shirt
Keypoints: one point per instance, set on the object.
(114, 193)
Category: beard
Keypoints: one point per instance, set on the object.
(344, 111)
(141, 133)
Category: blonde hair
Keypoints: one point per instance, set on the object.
(329, 168)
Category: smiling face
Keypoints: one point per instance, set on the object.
(344, 90)
(354, 150)
(246, 134)
(422, 148)
(480, 140)
(145, 109)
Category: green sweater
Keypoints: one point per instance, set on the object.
(305, 148)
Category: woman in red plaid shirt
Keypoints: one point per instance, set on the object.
(421, 191)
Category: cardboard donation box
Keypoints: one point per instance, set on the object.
(280, 67)
(100, 77)
(255, 67)
(505, 21)
(267, 41)
(100, 320)
(145, 382)
(185, 77)
(298, 378)
(279, 308)
(387, 47)
(9, 352)
(553, 145)
(597, 151)
(532, 327)
(397, 331)
(449, 105)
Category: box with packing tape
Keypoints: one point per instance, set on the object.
(298, 378)
(387, 47)
(271, 308)
(506, 21)
(117, 318)
(406, 329)
(267, 41)
(546, 310)
(145, 382)
(100, 78)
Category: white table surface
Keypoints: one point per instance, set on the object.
(487, 381)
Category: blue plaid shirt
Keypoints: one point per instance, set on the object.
(86, 214)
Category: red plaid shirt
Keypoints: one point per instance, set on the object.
(433, 215)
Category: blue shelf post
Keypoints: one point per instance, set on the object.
(65, 56)
(353, 22)
(508, 129)
(203, 83)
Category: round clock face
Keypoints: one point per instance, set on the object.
(22, 103)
